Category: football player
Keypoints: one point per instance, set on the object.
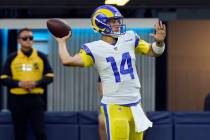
(114, 56)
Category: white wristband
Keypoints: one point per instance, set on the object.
(158, 50)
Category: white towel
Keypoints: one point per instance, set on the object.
(142, 123)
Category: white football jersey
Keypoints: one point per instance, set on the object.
(116, 65)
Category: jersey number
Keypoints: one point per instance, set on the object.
(126, 59)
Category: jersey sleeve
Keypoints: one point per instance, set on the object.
(48, 75)
(141, 46)
(48, 71)
(6, 71)
(6, 74)
(86, 58)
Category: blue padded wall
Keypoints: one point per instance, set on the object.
(59, 126)
(62, 126)
(84, 126)
(192, 126)
(88, 122)
(6, 127)
(162, 126)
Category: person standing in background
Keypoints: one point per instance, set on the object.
(26, 73)
(101, 122)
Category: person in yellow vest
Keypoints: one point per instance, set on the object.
(26, 73)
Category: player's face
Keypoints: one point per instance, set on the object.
(26, 40)
(115, 24)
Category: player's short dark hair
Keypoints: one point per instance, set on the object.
(22, 30)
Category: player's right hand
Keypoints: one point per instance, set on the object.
(63, 39)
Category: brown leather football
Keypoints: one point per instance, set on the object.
(58, 27)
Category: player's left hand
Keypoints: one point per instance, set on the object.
(160, 34)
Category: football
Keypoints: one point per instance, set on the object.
(58, 27)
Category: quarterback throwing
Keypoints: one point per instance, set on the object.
(114, 56)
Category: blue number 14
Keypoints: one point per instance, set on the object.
(126, 59)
